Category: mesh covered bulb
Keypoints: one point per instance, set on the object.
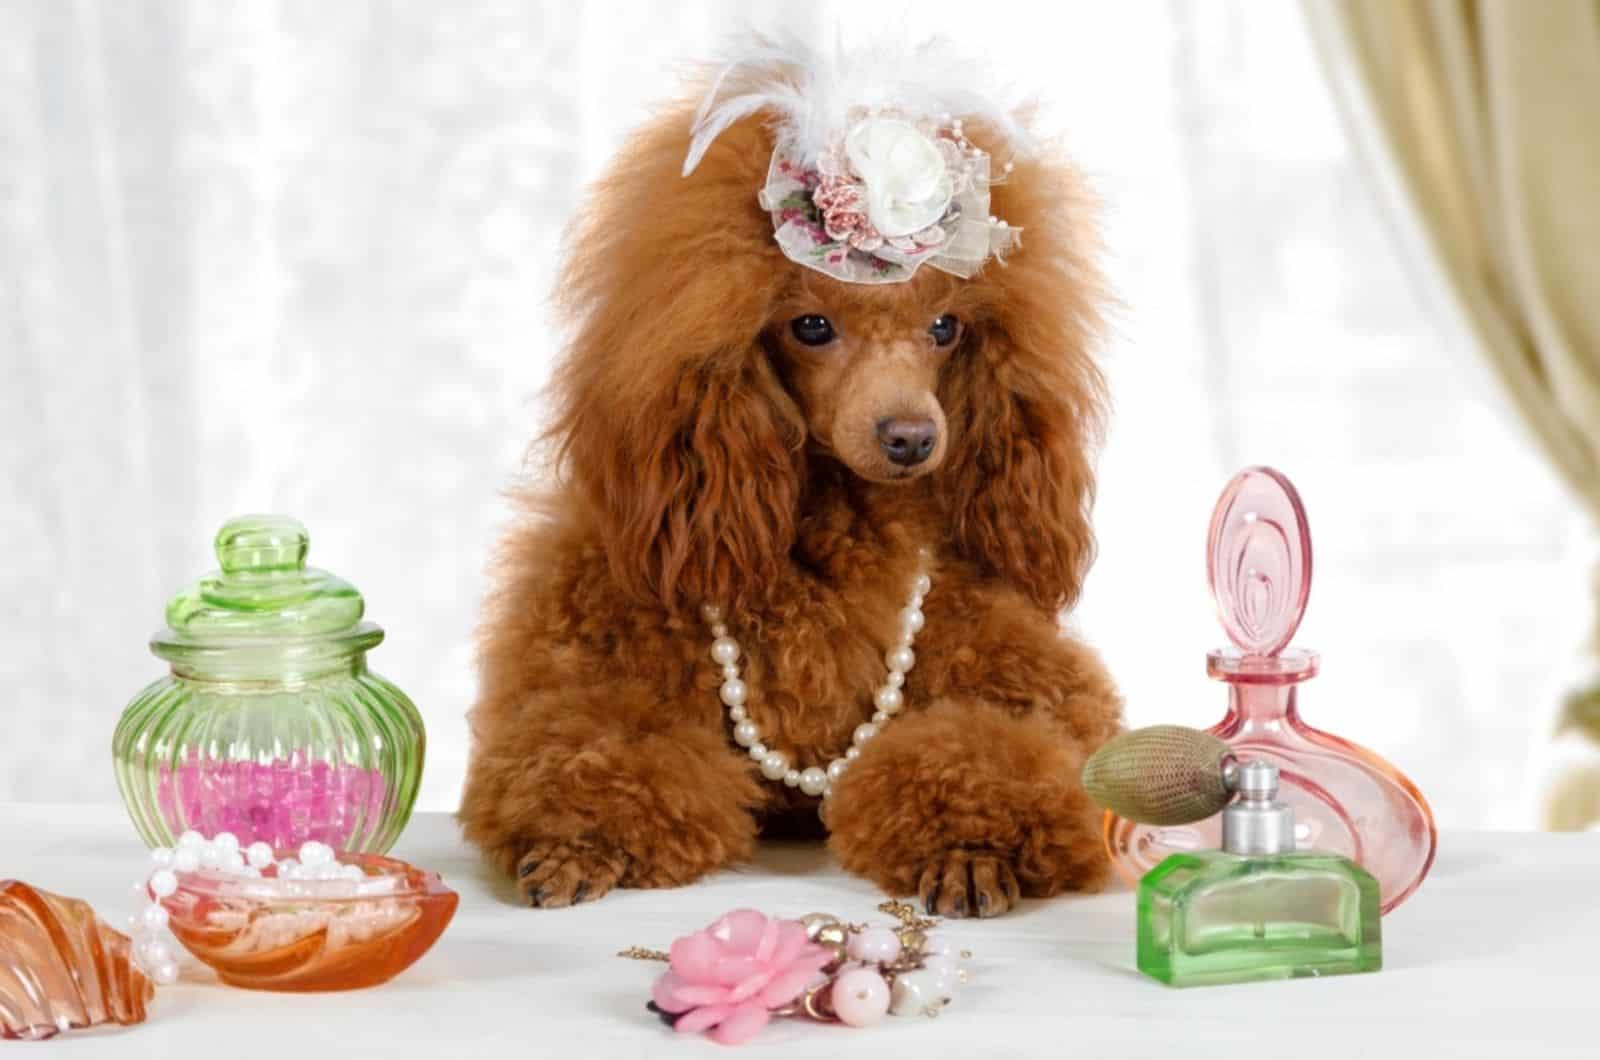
(1161, 775)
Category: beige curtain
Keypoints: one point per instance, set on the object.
(1488, 112)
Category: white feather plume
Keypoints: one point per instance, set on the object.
(809, 92)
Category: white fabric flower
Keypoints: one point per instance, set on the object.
(907, 181)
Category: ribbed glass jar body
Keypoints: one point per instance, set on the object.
(335, 757)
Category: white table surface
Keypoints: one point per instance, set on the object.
(1497, 955)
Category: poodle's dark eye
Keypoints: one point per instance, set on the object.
(812, 330)
(944, 330)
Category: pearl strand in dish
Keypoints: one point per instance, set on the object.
(888, 699)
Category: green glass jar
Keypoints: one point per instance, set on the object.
(270, 725)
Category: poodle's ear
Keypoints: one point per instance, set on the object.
(1025, 396)
(672, 423)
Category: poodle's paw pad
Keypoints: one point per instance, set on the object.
(968, 883)
(552, 875)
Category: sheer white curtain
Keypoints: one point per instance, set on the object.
(287, 256)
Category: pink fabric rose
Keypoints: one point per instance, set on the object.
(727, 979)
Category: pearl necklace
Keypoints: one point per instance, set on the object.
(888, 699)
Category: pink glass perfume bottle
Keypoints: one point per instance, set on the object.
(1345, 798)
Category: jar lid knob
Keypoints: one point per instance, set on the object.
(260, 544)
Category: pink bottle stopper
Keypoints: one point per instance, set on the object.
(1346, 799)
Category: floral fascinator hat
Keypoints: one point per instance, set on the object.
(872, 175)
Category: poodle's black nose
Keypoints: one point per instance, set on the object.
(908, 442)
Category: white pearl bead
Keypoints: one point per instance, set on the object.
(774, 766)
(225, 842)
(916, 992)
(836, 769)
(921, 586)
(738, 714)
(259, 855)
(852, 754)
(895, 679)
(745, 733)
(719, 629)
(792, 778)
(813, 780)
(734, 692)
(864, 732)
(758, 750)
(185, 859)
(912, 620)
(915, 601)
(210, 857)
(875, 945)
(153, 917)
(880, 719)
(889, 699)
(191, 839)
(711, 613)
(730, 672)
(163, 883)
(725, 651)
(165, 973)
(161, 857)
(900, 658)
(313, 853)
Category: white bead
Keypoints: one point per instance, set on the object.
(875, 945)
(259, 855)
(288, 869)
(153, 917)
(719, 629)
(745, 733)
(738, 714)
(725, 651)
(912, 620)
(161, 857)
(921, 586)
(836, 769)
(864, 732)
(915, 601)
(916, 992)
(225, 842)
(734, 692)
(900, 658)
(813, 781)
(895, 679)
(163, 883)
(191, 839)
(729, 672)
(889, 699)
(774, 766)
(152, 951)
(880, 719)
(711, 613)
(165, 973)
(852, 754)
(792, 778)
(758, 750)
(210, 857)
(185, 859)
(313, 853)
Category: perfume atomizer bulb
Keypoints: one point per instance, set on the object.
(1168, 775)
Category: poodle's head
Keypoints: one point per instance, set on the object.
(709, 372)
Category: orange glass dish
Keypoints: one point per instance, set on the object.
(61, 967)
(1346, 799)
(304, 935)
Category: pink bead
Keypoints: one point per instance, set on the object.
(875, 945)
(860, 997)
(283, 803)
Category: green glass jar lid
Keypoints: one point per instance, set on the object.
(264, 596)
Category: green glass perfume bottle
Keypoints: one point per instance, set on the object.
(1257, 908)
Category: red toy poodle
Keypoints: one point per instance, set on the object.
(825, 427)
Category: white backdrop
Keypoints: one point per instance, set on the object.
(294, 256)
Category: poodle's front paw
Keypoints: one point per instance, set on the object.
(968, 883)
(554, 874)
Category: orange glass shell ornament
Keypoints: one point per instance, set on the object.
(62, 967)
